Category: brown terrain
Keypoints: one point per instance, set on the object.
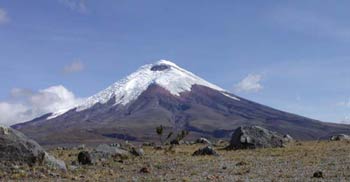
(299, 161)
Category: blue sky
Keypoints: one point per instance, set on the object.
(291, 55)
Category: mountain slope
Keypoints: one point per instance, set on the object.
(165, 94)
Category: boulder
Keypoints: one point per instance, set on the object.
(81, 147)
(54, 163)
(106, 151)
(340, 137)
(318, 174)
(115, 145)
(251, 137)
(149, 144)
(208, 150)
(287, 138)
(203, 141)
(85, 158)
(16, 148)
(177, 142)
(221, 143)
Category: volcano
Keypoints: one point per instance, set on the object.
(166, 94)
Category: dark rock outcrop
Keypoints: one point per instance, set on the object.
(318, 174)
(160, 67)
(84, 158)
(251, 137)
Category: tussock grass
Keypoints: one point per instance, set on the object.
(295, 162)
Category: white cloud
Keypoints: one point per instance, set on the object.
(25, 104)
(75, 5)
(75, 66)
(3, 16)
(251, 83)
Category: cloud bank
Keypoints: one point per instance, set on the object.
(25, 104)
(251, 83)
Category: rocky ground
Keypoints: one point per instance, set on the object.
(299, 161)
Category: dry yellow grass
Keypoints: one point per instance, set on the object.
(296, 162)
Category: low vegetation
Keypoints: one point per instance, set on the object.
(299, 161)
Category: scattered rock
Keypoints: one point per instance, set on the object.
(15, 147)
(115, 145)
(158, 147)
(81, 147)
(104, 152)
(148, 144)
(287, 138)
(54, 163)
(74, 163)
(111, 151)
(73, 167)
(189, 142)
(176, 142)
(59, 148)
(221, 143)
(4, 130)
(137, 152)
(74, 178)
(128, 145)
(251, 137)
(241, 163)
(85, 158)
(54, 175)
(208, 150)
(318, 174)
(145, 170)
(340, 137)
(203, 141)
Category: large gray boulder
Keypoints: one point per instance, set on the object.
(104, 151)
(251, 137)
(16, 148)
(101, 153)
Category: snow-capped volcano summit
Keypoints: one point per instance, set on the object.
(165, 94)
(163, 73)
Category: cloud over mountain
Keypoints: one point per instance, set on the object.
(25, 104)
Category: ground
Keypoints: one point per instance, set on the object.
(296, 162)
